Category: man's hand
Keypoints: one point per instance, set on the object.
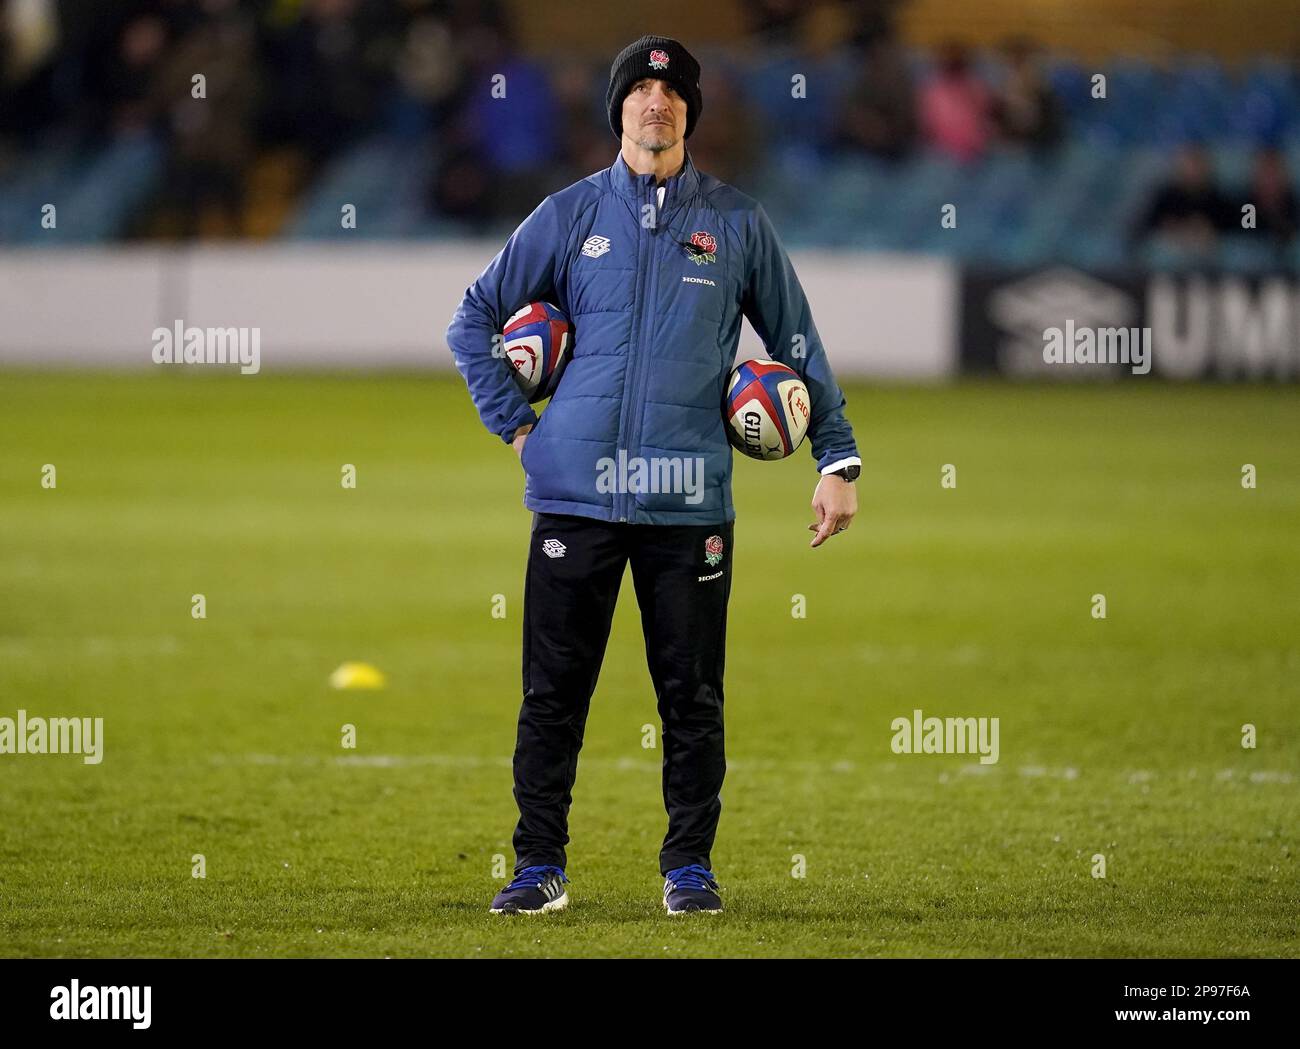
(835, 502)
(521, 435)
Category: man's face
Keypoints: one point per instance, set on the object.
(1194, 167)
(654, 114)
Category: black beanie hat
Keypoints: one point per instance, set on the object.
(663, 59)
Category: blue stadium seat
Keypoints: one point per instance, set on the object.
(96, 191)
(45, 178)
(111, 187)
(379, 177)
(1244, 254)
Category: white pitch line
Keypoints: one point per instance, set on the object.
(626, 764)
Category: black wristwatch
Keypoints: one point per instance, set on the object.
(849, 473)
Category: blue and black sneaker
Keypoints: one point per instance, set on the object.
(691, 888)
(534, 890)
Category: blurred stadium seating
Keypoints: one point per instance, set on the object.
(383, 106)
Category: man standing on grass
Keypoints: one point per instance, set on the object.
(655, 264)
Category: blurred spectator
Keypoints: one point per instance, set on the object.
(956, 107)
(330, 68)
(726, 143)
(772, 23)
(509, 121)
(429, 75)
(1276, 213)
(587, 143)
(28, 48)
(211, 136)
(461, 189)
(878, 115)
(1187, 212)
(870, 21)
(123, 83)
(1025, 108)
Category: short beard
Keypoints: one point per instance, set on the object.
(657, 146)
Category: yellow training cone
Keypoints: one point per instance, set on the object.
(358, 675)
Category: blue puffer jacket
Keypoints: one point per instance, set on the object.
(655, 337)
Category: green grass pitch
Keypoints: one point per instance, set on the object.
(1119, 736)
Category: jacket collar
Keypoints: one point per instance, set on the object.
(677, 188)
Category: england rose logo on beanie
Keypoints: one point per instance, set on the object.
(655, 57)
(702, 248)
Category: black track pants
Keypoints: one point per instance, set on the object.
(682, 575)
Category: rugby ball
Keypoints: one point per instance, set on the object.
(538, 341)
(766, 409)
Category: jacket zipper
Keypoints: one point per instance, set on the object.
(647, 321)
(625, 501)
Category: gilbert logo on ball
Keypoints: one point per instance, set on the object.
(538, 343)
(766, 409)
(658, 59)
(701, 248)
